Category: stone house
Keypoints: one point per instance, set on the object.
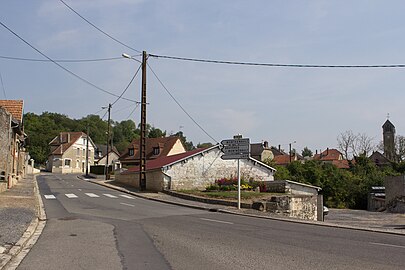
(194, 170)
(12, 142)
(155, 148)
(261, 151)
(100, 155)
(68, 153)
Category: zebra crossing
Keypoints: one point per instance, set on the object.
(90, 195)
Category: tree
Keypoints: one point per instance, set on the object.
(187, 145)
(346, 141)
(204, 145)
(364, 145)
(306, 152)
(400, 147)
(156, 133)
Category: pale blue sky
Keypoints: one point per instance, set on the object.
(310, 106)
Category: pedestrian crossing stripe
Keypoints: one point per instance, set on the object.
(71, 195)
(127, 196)
(50, 197)
(110, 196)
(92, 195)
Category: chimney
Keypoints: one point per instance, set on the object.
(266, 144)
(68, 137)
(327, 151)
(279, 147)
(61, 137)
(316, 152)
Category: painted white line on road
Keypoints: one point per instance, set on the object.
(219, 221)
(92, 195)
(71, 195)
(387, 245)
(110, 196)
(50, 197)
(80, 189)
(127, 196)
(127, 204)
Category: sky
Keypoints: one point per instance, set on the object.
(310, 106)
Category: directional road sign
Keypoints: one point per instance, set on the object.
(236, 148)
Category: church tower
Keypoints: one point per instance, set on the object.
(389, 140)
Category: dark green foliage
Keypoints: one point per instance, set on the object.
(306, 152)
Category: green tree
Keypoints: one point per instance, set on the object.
(187, 145)
(306, 152)
(204, 145)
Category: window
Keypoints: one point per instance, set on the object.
(131, 151)
(156, 151)
(77, 163)
(84, 152)
(67, 162)
(78, 152)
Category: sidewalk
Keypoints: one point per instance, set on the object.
(340, 218)
(18, 217)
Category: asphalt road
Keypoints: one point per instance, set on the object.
(92, 227)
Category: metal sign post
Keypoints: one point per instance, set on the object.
(236, 148)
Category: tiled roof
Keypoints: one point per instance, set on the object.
(165, 160)
(65, 140)
(15, 107)
(283, 159)
(341, 164)
(329, 155)
(164, 144)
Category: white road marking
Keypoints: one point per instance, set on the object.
(71, 195)
(387, 245)
(80, 189)
(127, 204)
(127, 196)
(110, 196)
(50, 197)
(92, 195)
(219, 221)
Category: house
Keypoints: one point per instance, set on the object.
(155, 148)
(261, 151)
(194, 169)
(334, 157)
(379, 159)
(12, 142)
(100, 155)
(68, 153)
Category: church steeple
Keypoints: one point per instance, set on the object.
(389, 140)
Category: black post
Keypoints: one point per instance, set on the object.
(87, 151)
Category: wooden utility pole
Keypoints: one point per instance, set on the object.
(142, 154)
(107, 174)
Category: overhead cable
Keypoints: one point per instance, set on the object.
(60, 60)
(181, 107)
(96, 27)
(275, 64)
(62, 67)
(126, 88)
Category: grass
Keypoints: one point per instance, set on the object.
(228, 195)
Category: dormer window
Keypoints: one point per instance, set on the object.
(156, 151)
(131, 151)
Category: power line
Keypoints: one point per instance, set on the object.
(62, 67)
(275, 64)
(60, 60)
(2, 84)
(181, 107)
(137, 105)
(126, 88)
(105, 33)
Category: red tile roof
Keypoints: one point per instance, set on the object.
(329, 155)
(282, 159)
(165, 160)
(64, 140)
(15, 107)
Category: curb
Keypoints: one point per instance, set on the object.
(29, 237)
(315, 223)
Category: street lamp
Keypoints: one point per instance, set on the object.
(290, 148)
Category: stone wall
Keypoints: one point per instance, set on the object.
(154, 180)
(5, 142)
(296, 206)
(395, 193)
(201, 170)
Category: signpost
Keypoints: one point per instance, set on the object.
(236, 148)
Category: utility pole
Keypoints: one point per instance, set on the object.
(142, 156)
(107, 174)
(290, 152)
(87, 152)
